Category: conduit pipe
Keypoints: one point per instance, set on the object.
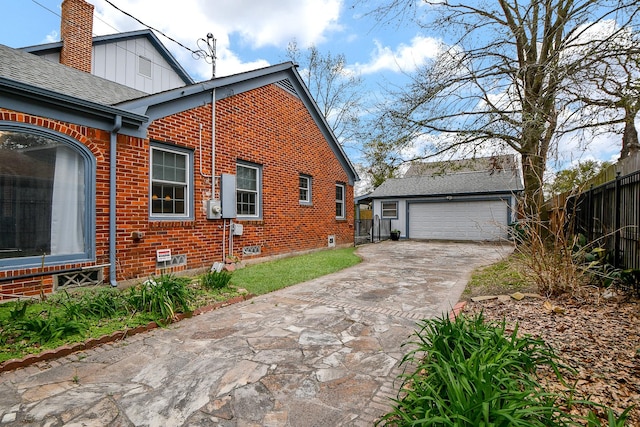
(113, 151)
(213, 143)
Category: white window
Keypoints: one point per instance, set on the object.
(340, 201)
(170, 189)
(46, 198)
(304, 187)
(390, 210)
(248, 188)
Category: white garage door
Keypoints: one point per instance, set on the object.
(481, 220)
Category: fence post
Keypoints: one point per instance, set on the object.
(616, 225)
(590, 214)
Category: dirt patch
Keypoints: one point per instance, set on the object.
(599, 338)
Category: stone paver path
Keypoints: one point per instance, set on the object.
(322, 353)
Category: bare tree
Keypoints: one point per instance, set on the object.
(335, 89)
(499, 84)
(608, 86)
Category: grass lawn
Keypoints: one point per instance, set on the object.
(267, 277)
(502, 277)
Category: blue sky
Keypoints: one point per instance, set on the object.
(255, 33)
(249, 33)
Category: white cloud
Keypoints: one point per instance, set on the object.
(249, 23)
(406, 57)
(52, 37)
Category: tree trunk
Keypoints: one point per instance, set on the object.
(533, 167)
(630, 135)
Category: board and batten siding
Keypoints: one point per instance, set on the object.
(119, 62)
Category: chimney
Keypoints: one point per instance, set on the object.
(76, 32)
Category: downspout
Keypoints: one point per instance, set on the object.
(213, 164)
(213, 144)
(113, 151)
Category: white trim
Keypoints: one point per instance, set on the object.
(382, 209)
(187, 183)
(257, 191)
(342, 201)
(308, 199)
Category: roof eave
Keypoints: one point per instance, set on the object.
(38, 101)
(440, 195)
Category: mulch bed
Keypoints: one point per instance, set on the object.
(599, 338)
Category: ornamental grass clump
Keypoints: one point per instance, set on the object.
(470, 373)
(162, 297)
(215, 279)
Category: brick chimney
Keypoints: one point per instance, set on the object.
(76, 32)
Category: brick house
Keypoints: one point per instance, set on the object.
(100, 181)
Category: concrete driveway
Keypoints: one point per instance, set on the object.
(322, 353)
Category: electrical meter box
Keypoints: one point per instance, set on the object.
(214, 210)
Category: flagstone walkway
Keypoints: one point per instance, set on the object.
(321, 353)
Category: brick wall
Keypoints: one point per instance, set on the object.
(76, 32)
(266, 126)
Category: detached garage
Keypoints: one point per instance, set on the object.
(474, 202)
(459, 220)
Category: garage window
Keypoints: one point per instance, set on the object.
(390, 210)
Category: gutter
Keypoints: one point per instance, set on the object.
(113, 151)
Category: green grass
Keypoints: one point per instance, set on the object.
(263, 278)
(30, 327)
(503, 277)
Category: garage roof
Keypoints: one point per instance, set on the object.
(472, 182)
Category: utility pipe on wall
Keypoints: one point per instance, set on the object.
(113, 151)
(213, 143)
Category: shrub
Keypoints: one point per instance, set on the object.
(215, 279)
(103, 303)
(162, 297)
(49, 328)
(469, 373)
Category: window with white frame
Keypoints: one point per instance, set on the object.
(304, 188)
(248, 190)
(340, 201)
(47, 203)
(170, 181)
(390, 210)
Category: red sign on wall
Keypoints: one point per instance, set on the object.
(163, 255)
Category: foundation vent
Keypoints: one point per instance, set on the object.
(77, 279)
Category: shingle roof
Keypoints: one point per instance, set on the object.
(32, 70)
(481, 182)
(476, 164)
